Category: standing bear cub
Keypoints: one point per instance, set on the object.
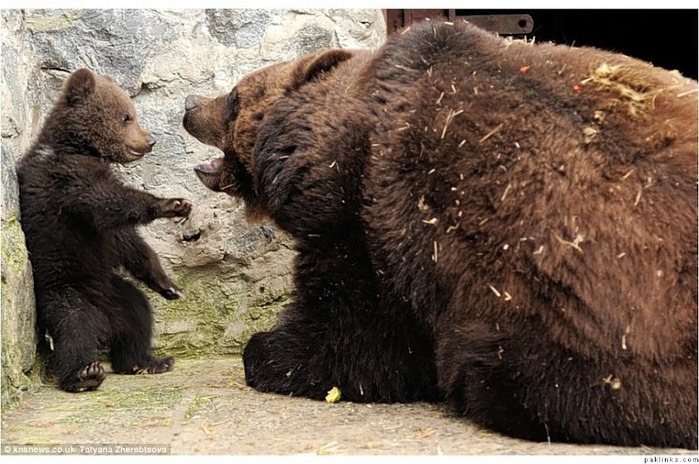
(507, 226)
(80, 226)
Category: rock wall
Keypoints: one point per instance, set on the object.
(235, 275)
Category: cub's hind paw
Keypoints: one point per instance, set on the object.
(88, 378)
(156, 366)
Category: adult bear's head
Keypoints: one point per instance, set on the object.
(231, 122)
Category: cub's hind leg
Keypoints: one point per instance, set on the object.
(132, 330)
(77, 328)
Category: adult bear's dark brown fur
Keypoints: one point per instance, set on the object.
(80, 225)
(514, 224)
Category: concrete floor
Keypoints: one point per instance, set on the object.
(204, 407)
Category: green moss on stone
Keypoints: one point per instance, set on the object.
(18, 316)
(219, 313)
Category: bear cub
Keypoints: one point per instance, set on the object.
(80, 226)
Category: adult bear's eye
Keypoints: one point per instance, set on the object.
(126, 117)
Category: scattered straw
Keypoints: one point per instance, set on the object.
(501, 350)
(450, 117)
(689, 92)
(207, 431)
(421, 205)
(495, 290)
(628, 86)
(507, 189)
(627, 330)
(589, 134)
(613, 382)
(491, 133)
(425, 433)
(574, 244)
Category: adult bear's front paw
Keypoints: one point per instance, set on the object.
(280, 363)
(259, 371)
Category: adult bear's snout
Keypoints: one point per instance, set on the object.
(192, 102)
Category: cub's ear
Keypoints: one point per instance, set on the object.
(314, 67)
(79, 86)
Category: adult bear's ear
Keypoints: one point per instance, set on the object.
(80, 85)
(314, 67)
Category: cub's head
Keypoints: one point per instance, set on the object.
(94, 115)
(231, 122)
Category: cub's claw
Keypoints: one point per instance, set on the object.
(88, 378)
(177, 207)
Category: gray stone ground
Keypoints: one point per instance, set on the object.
(204, 407)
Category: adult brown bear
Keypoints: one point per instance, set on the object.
(511, 226)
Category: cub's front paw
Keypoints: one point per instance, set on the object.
(172, 293)
(177, 207)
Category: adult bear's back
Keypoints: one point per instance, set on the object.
(573, 165)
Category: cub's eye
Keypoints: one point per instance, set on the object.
(126, 117)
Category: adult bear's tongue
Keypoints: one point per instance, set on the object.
(210, 174)
(211, 168)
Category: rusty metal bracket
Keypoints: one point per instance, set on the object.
(503, 24)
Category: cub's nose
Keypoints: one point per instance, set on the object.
(151, 142)
(191, 102)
